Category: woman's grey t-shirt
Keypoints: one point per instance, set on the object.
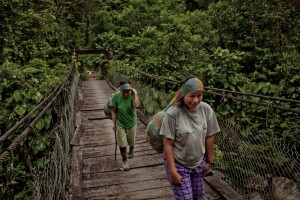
(189, 130)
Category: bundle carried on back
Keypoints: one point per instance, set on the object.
(107, 108)
(153, 128)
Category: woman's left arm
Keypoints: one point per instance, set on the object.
(209, 148)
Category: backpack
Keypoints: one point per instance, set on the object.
(153, 129)
(107, 108)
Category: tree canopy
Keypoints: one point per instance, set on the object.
(245, 46)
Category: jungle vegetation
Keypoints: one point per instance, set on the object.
(245, 46)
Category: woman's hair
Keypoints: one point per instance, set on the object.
(123, 82)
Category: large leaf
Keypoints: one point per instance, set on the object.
(17, 96)
(20, 109)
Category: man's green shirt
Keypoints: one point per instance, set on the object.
(126, 112)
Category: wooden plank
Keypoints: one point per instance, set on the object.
(76, 138)
(94, 141)
(119, 177)
(93, 114)
(75, 186)
(149, 194)
(97, 118)
(107, 150)
(91, 104)
(80, 94)
(138, 187)
(140, 145)
(92, 109)
(102, 89)
(122, 175)
(88, 113)
(78, 119)
(98, 101)
(96, 129)
(222, 187)
(110, 155)
(106, 164)
(95, 98)
(97, 125)
(92, 132)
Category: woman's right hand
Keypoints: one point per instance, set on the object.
(176, 178)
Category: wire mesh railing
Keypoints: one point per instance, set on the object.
(50, 181)
(257, 166)
(36, 165)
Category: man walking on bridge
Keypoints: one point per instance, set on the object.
(123, 110)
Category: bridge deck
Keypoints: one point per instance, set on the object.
(95, 174)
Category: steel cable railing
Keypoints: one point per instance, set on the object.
(267, 105)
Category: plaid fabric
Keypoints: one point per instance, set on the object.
(193, 183)
(153, 128)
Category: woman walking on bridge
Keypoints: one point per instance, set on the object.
(188, 130)
(123, 109)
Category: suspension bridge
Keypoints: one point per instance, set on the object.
(96, 170)
(84, 162)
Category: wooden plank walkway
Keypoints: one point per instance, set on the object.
(95, 174)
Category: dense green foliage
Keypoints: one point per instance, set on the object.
(36, 41)
(247, 46)
(34, 56)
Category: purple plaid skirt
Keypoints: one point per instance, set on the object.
(193, 183)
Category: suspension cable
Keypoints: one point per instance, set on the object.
(255, 95)
(235, 98)
(257, 103)
(159, 77)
